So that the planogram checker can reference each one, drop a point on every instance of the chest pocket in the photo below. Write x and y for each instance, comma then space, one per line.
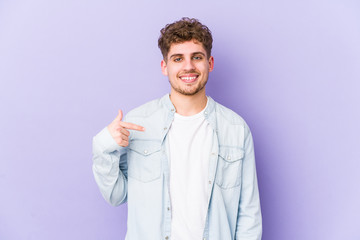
228, 172
144, 160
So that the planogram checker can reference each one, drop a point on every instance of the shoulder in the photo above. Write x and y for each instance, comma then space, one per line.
228, 115
232, 128
151, 116
145, 110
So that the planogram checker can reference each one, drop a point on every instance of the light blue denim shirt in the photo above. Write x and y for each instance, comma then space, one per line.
139, 174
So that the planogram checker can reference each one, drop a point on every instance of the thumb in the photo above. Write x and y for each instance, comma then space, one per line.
119, 116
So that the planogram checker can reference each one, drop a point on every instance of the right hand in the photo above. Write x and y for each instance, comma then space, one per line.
119, 132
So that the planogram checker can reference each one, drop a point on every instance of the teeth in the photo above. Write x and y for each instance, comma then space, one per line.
188, 78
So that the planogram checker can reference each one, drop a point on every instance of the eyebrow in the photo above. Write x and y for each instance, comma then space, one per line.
180, 54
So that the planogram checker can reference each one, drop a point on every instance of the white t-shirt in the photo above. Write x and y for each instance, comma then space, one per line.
189, 145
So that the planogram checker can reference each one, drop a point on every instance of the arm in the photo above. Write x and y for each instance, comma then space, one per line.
110, 160
112, 180
249, 221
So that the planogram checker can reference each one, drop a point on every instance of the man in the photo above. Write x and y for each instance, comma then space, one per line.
184, 163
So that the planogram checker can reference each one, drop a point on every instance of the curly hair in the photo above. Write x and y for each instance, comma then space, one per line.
186, 29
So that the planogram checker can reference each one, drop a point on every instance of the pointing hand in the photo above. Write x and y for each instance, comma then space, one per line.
118, 130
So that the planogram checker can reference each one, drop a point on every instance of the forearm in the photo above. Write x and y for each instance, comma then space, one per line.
249, 223
112, 181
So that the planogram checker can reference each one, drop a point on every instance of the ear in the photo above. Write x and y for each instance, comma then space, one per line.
164, 67
211, 64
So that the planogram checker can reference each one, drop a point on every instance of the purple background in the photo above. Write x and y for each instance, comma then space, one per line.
290, 68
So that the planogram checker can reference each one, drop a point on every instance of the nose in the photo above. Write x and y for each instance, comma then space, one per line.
189, 65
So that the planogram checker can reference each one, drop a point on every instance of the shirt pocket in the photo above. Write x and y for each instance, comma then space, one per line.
144, 160
228, 172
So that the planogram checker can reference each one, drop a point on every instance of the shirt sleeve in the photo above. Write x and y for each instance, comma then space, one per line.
110, 168
249, 222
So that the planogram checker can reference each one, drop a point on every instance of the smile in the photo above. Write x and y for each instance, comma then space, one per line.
189, 79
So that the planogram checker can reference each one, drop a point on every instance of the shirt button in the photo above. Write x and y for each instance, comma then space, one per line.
213, 153
145, 151
166, 237
165, 128
172, 110
228, 158
205, 112
209, 182
168, 209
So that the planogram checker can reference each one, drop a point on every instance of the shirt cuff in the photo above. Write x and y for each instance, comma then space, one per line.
106, 141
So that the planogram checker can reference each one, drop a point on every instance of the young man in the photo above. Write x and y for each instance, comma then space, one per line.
184, 163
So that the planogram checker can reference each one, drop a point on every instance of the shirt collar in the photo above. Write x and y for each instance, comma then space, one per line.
168, 104
209, 112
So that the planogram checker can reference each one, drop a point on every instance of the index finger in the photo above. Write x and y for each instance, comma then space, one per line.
132, 126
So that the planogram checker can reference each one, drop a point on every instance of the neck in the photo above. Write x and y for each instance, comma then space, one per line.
188, 105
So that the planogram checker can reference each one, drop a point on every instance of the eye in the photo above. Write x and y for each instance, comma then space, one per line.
178, 59
197, 57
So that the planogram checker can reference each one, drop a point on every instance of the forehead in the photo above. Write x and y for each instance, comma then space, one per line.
187, 47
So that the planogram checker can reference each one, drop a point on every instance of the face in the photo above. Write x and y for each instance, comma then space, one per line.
187, 67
